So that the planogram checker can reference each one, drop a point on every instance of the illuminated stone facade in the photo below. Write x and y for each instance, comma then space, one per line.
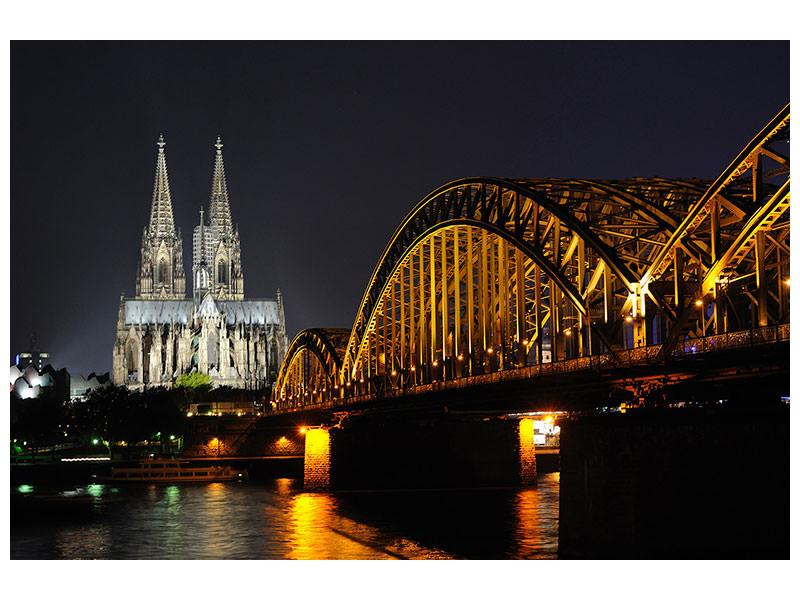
317, 460
161, 334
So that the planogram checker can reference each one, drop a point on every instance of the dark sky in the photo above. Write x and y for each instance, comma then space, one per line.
327, 146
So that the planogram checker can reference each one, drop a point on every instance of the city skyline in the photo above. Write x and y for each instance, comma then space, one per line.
316, 191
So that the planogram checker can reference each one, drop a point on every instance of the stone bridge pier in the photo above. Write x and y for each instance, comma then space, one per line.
704, 483
443, 451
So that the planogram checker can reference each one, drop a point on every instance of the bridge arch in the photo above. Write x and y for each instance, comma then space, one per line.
741, 279
310, 369
486, 274
568, 235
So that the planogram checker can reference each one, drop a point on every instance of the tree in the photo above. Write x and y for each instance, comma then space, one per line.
193, 380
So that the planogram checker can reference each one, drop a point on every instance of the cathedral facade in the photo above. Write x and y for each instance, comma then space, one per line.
162, 334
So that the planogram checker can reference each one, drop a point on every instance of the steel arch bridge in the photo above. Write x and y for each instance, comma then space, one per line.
498, 274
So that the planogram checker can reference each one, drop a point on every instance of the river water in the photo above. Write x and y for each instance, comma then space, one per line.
275, 519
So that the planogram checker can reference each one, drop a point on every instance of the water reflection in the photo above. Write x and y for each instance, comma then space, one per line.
536, 520
276, 520
319, 532
95, 490
84, 542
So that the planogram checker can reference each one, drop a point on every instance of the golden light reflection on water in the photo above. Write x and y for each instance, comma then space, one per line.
283, 486
531, 535
317, 532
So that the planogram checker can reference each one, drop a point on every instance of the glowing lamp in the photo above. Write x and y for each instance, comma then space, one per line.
393, 373
698, 303
189, 414
302, 430
436, 363
348, 384
490, 350
460, 357
95, 441
569, 331
524, 342
629, 318
413, 368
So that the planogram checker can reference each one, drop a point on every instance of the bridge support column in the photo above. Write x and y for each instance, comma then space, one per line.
527, 453
711, 483
429, 452
317, 460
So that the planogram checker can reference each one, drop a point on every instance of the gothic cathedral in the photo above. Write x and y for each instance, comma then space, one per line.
161, 334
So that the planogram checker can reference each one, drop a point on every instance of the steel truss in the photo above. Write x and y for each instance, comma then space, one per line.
491, 274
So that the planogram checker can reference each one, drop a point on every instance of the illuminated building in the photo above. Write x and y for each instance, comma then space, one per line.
29, 382
161, 334
34, 358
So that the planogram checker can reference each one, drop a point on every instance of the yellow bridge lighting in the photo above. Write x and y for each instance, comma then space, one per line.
483, 259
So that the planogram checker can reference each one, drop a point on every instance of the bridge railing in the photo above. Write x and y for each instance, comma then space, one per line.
630, 357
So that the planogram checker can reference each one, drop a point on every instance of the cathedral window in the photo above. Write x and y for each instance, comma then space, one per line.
222, 272
162, 271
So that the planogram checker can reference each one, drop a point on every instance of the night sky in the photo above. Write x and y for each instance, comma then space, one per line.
327, 147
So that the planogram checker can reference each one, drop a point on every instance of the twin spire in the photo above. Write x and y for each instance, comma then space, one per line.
162, 223
219, 207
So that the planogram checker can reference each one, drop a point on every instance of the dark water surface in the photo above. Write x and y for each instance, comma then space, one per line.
277, 520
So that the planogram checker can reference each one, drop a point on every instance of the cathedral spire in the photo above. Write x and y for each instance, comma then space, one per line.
161, 221
202, 238
160, 273
219, 207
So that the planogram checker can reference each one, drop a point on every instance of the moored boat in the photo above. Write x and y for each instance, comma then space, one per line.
173, 471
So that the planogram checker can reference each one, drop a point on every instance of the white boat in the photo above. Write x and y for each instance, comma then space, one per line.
172, 471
